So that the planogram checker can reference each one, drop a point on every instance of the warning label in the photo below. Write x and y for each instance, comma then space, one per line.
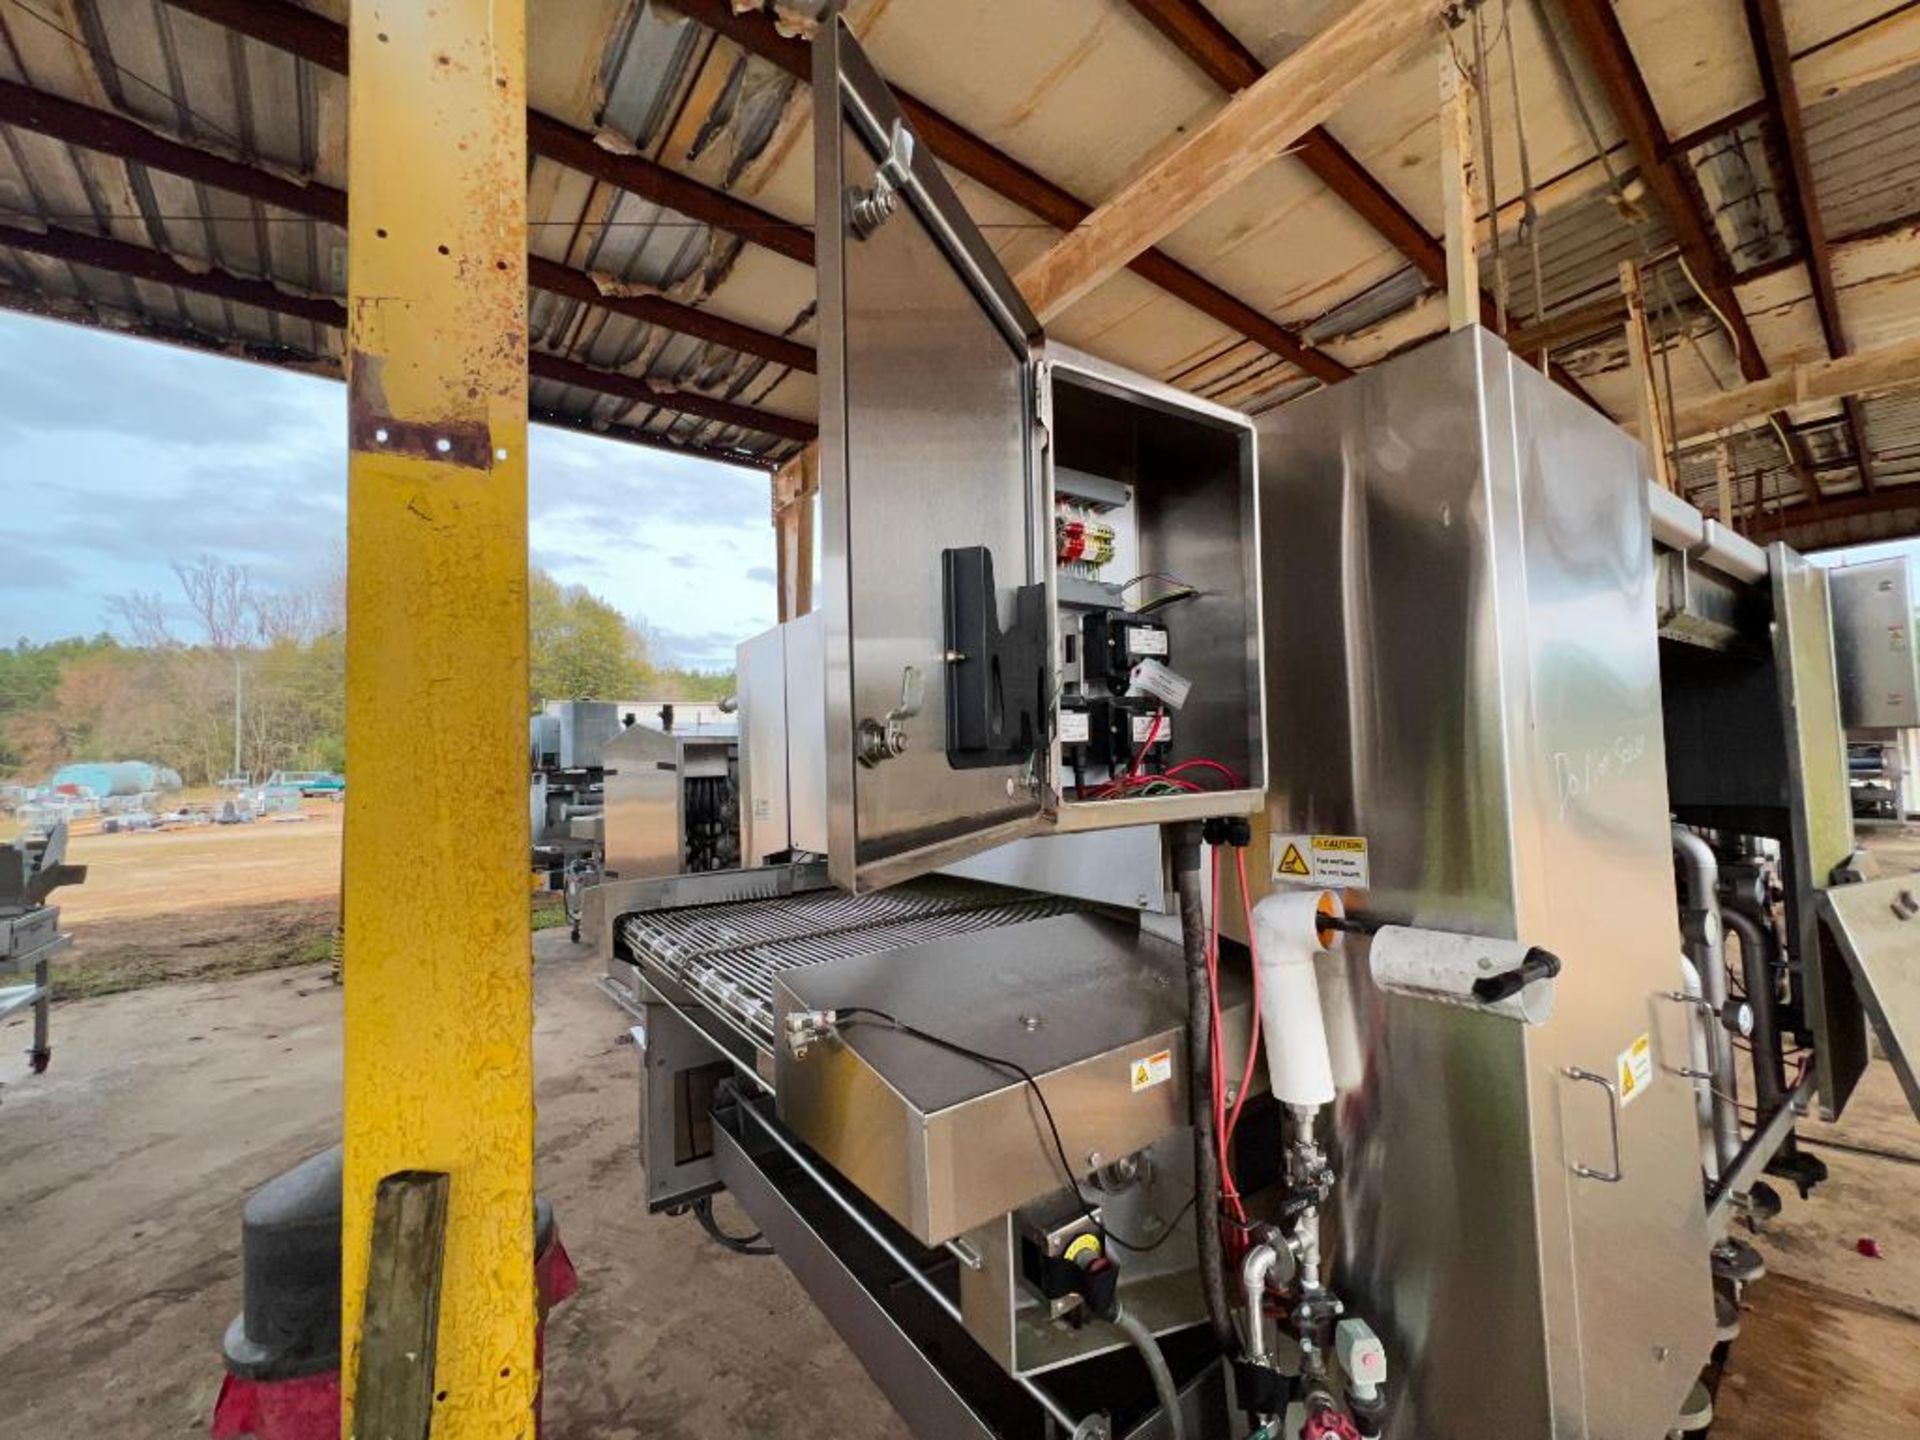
1152, 1070
1335, 862
1635, 1069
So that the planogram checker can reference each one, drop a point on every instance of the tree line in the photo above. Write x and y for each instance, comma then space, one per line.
236, 668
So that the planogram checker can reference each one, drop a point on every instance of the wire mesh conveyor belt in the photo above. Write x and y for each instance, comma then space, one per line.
728, 954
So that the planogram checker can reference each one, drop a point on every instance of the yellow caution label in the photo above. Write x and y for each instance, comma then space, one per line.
1333, 862
1634, 1069
1294, 863
1151, 1070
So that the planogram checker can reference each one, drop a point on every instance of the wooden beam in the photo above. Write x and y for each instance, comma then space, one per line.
794, 486
438, 992
1669, 179
399, 1339
1462, 189
1888, 500
1887, 367
756, 31
1801, 199
1723, 482
1218, 54
1246, 134
322, 42
1653, 428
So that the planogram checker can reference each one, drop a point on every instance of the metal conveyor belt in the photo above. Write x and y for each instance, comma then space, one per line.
727, 954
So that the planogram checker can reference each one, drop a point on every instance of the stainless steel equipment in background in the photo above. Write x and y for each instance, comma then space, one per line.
567, 776
672, 802
1874, 622
31, 869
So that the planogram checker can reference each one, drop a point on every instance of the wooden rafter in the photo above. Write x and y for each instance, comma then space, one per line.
1768, 28
1887, 367
1222, 151
757, 33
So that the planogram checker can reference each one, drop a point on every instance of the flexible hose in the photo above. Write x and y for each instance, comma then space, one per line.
739, 1244
1149, 1349
1206, 1157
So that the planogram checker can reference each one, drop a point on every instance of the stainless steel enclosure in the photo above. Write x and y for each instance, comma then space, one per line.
946, 419
1458, 615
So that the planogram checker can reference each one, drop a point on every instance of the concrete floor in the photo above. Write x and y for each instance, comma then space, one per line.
123, 1170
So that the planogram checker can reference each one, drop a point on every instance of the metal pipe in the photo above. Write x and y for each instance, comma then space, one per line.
1761, 1147
1206, 1155
1254, 1273
1756, 967
895, 1253
1705, 946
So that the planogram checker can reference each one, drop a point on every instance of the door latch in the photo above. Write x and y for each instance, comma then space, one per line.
886, 738
869, 209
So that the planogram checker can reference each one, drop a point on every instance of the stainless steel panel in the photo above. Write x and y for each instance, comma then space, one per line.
760, 681
1126, 867
641, 813
1160, 1287
585, 728
927, 440
1821, 816
806, 680
944, 1143
1460, 617
1876, 926
1873, 643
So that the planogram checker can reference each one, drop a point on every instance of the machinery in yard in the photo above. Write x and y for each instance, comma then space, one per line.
1235, 930
31, 869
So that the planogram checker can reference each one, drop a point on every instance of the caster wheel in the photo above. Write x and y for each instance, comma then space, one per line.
576, 934
39, 1060
1738, 1261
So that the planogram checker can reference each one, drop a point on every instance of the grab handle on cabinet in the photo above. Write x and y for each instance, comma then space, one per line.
1587, 1172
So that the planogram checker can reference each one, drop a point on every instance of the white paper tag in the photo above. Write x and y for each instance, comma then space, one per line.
1146, 640
1164, 684
1075, 727
1142, 726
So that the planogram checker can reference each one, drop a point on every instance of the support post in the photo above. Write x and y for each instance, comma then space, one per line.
1723, 481
438, 981
1461, 185
1653, 429
795, 484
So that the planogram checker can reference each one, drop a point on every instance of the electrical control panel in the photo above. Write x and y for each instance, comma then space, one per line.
1039, 571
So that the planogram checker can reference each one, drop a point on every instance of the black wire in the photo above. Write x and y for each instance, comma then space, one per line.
739, 1244
1059, 1146
1172, 1226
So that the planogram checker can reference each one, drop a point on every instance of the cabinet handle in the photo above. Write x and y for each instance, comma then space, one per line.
1587, 1172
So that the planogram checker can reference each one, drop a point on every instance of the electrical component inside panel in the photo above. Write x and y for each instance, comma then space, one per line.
1082, 544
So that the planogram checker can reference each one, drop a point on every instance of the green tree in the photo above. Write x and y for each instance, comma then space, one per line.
579, 646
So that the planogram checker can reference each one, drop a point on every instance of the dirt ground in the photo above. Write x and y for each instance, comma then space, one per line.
123, 1171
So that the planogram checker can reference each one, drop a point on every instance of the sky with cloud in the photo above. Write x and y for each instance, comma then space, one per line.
121, 456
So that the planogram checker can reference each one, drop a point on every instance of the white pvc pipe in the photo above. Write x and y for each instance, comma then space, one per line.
1287, 939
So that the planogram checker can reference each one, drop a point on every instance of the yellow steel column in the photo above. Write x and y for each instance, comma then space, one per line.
439, 997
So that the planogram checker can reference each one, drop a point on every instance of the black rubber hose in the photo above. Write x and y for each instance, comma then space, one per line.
1206, 1157
739, 1244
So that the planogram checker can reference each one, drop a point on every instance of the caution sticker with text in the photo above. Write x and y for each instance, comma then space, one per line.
1152, 1070
1333, 862
1634, 1069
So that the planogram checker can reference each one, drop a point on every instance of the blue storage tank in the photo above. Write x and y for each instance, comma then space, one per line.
116, 777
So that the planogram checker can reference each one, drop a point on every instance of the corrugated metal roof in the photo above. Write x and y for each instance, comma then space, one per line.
1080, 91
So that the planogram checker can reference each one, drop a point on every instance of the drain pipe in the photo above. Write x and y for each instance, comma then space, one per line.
1756, 967
1705, 947
1206, 1156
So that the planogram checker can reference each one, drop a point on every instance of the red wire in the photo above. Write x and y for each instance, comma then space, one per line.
1253, 1045
1232, 776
